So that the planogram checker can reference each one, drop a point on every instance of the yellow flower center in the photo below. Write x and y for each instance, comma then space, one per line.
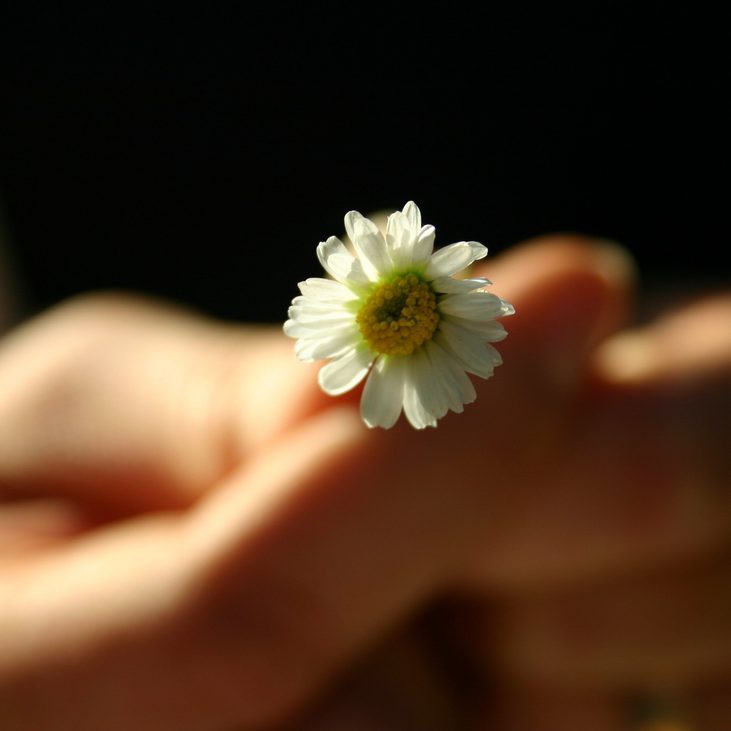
399, 316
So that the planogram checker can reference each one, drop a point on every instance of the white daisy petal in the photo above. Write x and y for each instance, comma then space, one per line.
319, 320
331, 248
325, 290
508, 309
479, 250
295, 327
384, 392
308, 351
414, 410
308, 305
439, 399
420, 405
429, 385
339, 263
348, 221
488, 330
469, 348
465, 388
347, 372
497, 359
369, 245
399, 239
447, 285
413, 214
327, 344
453, 258
472, 306
423, 247
448, 390
456, 382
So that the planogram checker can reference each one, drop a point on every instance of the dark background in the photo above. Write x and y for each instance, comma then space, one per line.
201, 152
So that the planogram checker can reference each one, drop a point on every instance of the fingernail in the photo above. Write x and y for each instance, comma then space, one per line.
615, 262
598, 306
626, 358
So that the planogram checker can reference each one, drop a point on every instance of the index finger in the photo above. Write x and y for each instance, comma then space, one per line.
126, 405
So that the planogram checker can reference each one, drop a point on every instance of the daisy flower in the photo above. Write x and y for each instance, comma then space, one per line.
394, 312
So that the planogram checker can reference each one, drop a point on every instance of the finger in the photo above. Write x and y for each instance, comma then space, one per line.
600, 278
32, 525
694, 341
154, 403
641, 472
113, 631
569, 292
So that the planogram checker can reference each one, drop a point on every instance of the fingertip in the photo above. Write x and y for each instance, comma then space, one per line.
653, 354
615, 262
569, 293
625, 358
560, 256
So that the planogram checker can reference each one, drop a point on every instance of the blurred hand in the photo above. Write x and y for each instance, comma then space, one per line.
193, 538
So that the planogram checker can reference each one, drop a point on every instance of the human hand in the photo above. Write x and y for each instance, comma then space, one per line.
577, 518
216, 542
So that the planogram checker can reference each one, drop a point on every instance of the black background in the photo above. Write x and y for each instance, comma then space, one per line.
201, 152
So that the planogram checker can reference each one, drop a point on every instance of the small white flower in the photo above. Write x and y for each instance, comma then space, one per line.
395, 311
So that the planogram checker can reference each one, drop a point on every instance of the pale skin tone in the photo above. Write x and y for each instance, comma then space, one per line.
194, 538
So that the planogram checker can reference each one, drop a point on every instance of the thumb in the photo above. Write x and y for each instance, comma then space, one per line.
148, 402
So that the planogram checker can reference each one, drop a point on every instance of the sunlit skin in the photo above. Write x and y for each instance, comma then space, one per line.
194, 538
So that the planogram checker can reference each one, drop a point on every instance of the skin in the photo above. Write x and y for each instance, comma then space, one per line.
193, 537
